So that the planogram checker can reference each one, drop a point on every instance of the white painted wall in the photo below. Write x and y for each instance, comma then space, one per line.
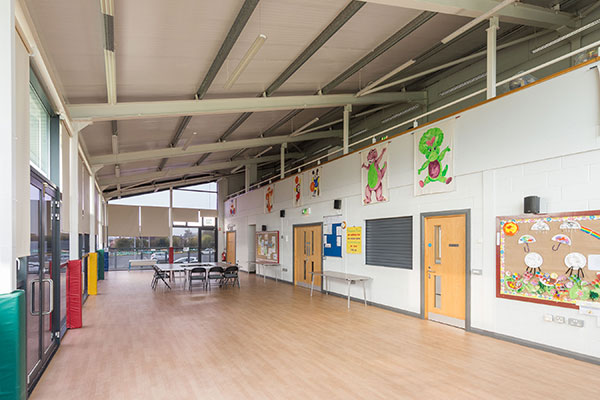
541, 141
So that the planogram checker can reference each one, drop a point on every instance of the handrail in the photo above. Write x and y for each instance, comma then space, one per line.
477, 92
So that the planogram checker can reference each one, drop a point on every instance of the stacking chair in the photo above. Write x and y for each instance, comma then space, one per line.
231, 275
197, 274
215, 274
158, 274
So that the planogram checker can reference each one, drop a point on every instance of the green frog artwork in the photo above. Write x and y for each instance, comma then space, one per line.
430, 146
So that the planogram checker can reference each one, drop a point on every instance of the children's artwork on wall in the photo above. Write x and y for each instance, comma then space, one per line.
374, 174
434, 161
553, 259
267, 246
314, 178
231, 207
298, 190
269, 199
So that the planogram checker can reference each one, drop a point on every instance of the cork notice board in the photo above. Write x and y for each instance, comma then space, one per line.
267, 246
549, 258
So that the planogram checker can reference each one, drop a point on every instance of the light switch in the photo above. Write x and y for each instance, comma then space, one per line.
477, 271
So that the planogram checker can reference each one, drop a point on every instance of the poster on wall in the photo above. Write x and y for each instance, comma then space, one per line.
550, 259
298, 190
314, 182
374, 174
434, 161
354, 240
231, 207
269, 199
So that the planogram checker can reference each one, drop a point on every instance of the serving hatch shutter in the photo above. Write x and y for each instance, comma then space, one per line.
389, 242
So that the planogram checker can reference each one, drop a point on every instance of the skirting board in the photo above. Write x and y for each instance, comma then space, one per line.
499, 336
277, 280
538, 346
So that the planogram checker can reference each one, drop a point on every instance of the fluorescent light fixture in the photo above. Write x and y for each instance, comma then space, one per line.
383, 121
476, 21
463, 84
568, 35
236, 169
357, 133
187, 142
118, 171
264, 151
115, 144
258, 42
300, 130
111, 76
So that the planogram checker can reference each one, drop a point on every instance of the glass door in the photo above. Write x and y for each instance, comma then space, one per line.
41, 275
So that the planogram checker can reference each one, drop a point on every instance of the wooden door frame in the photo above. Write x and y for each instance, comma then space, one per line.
467, 214
294, 249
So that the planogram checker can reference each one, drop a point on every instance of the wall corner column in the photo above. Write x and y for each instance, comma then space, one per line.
492, 32
347, 111
75, 212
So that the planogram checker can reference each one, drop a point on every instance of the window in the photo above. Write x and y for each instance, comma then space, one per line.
39, 133
388, 242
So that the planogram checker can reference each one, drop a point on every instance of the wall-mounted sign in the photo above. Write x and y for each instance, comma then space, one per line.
306, 211
354, 240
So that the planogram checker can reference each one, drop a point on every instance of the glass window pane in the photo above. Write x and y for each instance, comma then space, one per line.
209, 221
39, 133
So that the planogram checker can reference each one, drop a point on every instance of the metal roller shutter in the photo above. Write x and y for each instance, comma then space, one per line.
389, 242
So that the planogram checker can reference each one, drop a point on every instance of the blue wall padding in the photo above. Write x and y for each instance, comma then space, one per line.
13, 352
106, 255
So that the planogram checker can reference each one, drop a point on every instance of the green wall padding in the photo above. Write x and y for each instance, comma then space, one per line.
100, 265
13, 384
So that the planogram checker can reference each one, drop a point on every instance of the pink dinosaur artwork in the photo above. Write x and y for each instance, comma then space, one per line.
374, 174
434, 161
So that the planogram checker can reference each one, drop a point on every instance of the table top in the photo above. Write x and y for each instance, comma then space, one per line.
143, 262
261, 262
342, 275
188, 266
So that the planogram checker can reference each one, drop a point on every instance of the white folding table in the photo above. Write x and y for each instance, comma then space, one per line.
342, 276
141, 263
264, 264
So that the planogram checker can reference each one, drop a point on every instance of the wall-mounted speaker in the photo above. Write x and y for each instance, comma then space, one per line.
282, 213
337, 204
263, 228
531, 205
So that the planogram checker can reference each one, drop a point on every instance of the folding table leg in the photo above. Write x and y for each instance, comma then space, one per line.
364, 292
348, 294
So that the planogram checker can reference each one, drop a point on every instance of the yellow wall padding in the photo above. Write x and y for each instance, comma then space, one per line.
93, 274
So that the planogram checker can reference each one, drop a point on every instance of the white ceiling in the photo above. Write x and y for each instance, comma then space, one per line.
163, 50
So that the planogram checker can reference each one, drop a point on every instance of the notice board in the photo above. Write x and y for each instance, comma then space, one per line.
267, 246
549, 258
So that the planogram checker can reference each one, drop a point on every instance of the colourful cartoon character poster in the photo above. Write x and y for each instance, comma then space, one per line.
314, 180
232, 207
374, 174
434, 162
297, 190
269, 199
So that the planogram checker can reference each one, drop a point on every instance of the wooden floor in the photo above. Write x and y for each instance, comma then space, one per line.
273, 341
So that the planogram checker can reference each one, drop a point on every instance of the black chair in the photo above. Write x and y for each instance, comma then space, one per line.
158, 274
197, 274
231, 275
215, 274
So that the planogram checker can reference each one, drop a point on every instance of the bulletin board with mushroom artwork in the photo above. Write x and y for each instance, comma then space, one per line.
549, 258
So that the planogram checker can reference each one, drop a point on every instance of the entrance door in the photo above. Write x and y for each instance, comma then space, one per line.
445, 269
231, 247
42, 270
307, 254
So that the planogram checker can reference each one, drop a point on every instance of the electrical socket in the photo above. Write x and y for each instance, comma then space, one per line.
559, 319
548, 317
284, 269
576, 322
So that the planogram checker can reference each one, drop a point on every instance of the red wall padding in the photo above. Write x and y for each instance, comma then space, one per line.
74, 318
171, 255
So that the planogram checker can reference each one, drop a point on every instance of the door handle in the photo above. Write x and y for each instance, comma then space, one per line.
32, 311
51, 287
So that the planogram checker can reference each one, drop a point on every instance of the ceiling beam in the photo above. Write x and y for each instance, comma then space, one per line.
175, 108
121, 158
519, 13
232, 36
179, 172
340, 20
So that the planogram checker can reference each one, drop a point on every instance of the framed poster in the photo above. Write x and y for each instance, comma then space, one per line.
314, 182
549, 258
373, 173
434, 160
269, 199
297, 187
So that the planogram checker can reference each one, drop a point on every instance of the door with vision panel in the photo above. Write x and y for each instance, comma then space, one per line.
308, 256
445, 269
231, 247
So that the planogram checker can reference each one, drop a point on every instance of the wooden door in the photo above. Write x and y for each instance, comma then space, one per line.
231, 247
307, 254
445, 269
